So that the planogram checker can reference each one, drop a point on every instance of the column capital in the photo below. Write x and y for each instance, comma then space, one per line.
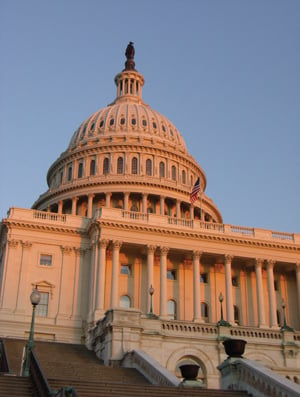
197, 254
151, 249
164, 250
228, 258
91, 195
26, 244
103, 243
297, 265
270, 263
259, 262
117, 243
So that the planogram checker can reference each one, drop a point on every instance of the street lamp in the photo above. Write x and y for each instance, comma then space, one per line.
151, 292
35, 298
285, 327
222, 322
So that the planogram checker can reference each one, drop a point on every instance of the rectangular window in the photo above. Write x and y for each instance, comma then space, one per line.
234, 281
125, 269
45, 260
203, 278
276, 286
171, 274
42, 308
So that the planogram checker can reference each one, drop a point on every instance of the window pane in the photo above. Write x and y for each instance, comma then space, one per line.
42, 308
162, 169
149, 167
120, 165
173, 173
134, 165
125, 269
171, 274
203, 278
93, 167
46, 260
80, 170
125, 301
106, 166
171, 307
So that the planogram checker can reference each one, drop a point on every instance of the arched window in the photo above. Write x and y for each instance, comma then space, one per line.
183, 177
80, 170
120, 168
236, 314
93, 167
149, 167
162, 169
69, 172
106, 166
134, 165
173, 173
204, 311
171, 308
125, 302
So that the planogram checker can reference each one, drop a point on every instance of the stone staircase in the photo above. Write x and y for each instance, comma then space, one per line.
74, 365
14, 386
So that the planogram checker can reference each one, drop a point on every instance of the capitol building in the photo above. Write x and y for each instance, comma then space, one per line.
126, 259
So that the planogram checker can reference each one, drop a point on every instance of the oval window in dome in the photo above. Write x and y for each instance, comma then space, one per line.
171, 132
154, 125
101, 123
122, 121
133, 121
163, 128
92, 126
144, 122
111, 121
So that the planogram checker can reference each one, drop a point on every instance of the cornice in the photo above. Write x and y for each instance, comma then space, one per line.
202, 236
43, 227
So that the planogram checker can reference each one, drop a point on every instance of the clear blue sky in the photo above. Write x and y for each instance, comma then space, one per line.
226, 73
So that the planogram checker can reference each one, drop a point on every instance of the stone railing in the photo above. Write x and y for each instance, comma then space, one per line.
257, 380
196, 225
150, 368
193, 329
47, 217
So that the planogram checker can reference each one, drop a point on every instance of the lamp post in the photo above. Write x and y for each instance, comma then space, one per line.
35, 298
222, 322
285, 327
151, 292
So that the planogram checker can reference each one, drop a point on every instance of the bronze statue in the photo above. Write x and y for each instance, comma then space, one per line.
129, 53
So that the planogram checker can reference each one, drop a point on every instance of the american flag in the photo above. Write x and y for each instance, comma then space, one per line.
195, 191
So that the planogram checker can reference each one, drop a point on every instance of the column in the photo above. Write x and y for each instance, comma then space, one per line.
196, 282
93, 253
74, 202
298, 283
162, 205
90, 205
178, 214
228, 286
60, 207
144, 202
260, 294
114, 301
192, 211
163, 312
126, 201
107, 200
271, 291
150, 280
100, 287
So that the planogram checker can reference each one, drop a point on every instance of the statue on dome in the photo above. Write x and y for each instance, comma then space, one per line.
129, 53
